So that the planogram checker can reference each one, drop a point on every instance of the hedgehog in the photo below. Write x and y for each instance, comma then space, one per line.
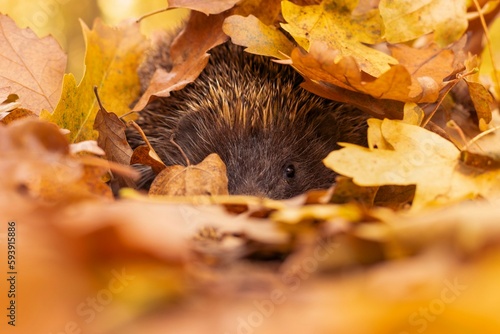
270, 132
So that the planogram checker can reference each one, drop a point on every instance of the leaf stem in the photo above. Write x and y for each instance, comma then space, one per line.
438, 103
180, 149
152, 13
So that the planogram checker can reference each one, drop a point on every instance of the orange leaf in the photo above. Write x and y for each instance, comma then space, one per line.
33, 67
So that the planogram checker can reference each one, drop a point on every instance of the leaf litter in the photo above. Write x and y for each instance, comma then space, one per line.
407, 240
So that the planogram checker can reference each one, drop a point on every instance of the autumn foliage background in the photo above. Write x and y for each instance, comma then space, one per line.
406, 242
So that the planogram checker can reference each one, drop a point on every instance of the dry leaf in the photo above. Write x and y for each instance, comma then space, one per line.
112, 137
267, 11
189, 56
333, 25
408, 82
257, 37
404, 154
490, 56
146, 155
36, 157
206, 6
206, 178
32, 67
112, 58
409, 19
480, 96
16, 114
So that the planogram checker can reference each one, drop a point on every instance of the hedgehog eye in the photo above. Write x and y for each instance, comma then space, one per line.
290, 171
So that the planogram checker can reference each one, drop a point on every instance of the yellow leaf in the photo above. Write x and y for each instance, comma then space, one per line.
332, 23
257, 37
112, 58
490, 60
404, 154
409, 19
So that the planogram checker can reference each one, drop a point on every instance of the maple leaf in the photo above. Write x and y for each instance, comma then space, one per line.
333, 24
404, 154
409, 19
32, 67
112, 58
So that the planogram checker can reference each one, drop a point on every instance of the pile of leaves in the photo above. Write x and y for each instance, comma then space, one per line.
407, 241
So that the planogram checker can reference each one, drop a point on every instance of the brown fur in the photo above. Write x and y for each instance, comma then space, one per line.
253, 113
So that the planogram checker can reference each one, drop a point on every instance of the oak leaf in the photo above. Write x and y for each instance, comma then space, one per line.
407, 81
409, 19
32, 67
404, 154
333, 24
258, 38
112, 58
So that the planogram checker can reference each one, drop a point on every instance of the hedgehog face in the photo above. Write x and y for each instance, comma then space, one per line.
271, 133
277, 162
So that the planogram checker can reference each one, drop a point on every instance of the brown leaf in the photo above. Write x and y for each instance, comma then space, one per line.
427, 62
267, 11
146, 155
112, 137
207, 178
206, 6
480, 96
36, 156
16, 114
380, 108
418, 78
33, 67
189, 56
